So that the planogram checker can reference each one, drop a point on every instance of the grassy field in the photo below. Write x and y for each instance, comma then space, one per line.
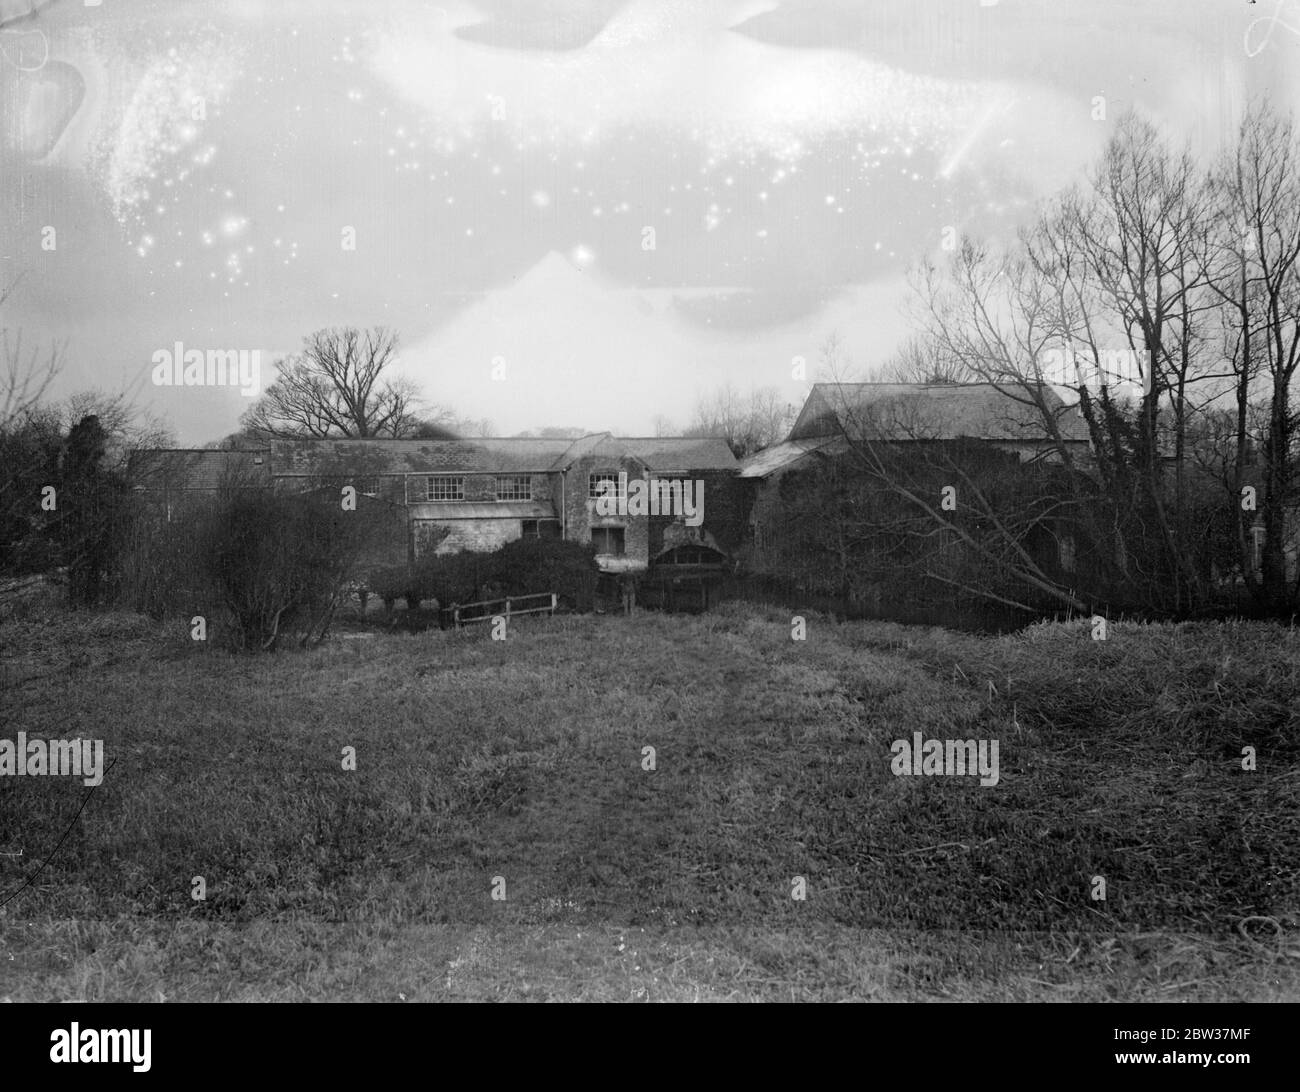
523, 760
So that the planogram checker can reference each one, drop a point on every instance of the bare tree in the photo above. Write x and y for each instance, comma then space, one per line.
1117, 270
771, 415
1185, 280
897, 477
747, 423
126, 427
1257, 191
31, 440
1142, 235
426, 429
26, 371
923, 360
339, 385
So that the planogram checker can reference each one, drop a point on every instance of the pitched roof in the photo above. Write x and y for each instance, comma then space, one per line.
779, 456
921, 411
602, 444
493, 455
175, 468
673, 454
501, 454
516, 454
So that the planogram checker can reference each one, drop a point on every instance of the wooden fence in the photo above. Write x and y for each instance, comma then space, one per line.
463, 613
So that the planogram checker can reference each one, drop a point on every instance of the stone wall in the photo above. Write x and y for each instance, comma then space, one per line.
580, 510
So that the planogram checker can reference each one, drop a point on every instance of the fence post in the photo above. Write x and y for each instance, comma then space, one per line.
455, 613
507, 606
552, 602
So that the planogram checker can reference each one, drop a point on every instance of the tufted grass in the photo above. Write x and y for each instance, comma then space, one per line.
523, 760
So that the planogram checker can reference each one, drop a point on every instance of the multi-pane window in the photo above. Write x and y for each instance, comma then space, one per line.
515, 487
603, 483
445, 487
367, 487
608, 540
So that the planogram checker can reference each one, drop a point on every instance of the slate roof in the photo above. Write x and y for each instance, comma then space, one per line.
596, 444
415, 456
495, 454
369, 458
779, 456
678, 455
201, 469
981, 411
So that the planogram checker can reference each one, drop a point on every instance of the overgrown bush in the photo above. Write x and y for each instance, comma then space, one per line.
260, 566
279, 564
390, 583
62, 506
526, 566
440, 578
159, 570
30, 450
531, 566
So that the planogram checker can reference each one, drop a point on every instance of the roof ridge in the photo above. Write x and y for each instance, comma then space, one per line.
207, 450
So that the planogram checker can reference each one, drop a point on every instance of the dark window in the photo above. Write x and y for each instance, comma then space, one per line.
541, 528
608, 540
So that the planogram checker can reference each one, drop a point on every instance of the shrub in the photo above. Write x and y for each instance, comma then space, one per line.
452, 578
391, 583
523, 567
159, 568
261, 566
529, 566
277, 564
444, 578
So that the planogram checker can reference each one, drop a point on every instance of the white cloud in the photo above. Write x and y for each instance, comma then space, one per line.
665, 64
580, 348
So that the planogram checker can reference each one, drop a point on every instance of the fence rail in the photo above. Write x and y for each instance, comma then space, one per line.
512, 608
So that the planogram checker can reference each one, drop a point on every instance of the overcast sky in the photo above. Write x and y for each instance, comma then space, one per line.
501, 162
